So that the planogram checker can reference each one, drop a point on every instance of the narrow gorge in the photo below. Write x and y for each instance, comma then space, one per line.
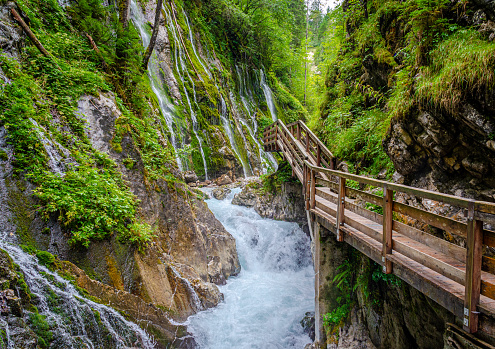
157, 176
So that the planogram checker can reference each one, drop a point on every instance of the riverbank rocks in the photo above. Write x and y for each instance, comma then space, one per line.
247, 198
190, 177
224, 180
221, 193
285, 204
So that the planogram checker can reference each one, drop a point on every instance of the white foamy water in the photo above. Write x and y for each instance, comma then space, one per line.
265, 303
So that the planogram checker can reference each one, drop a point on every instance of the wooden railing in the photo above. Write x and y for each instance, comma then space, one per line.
328, 194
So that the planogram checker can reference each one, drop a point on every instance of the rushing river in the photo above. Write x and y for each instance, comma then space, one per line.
265, 303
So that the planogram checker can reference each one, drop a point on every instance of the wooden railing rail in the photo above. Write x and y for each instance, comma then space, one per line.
314, 165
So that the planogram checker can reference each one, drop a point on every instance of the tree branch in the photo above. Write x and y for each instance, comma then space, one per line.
152, 43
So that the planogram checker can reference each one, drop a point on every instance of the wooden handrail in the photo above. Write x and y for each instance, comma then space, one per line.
482, 206
306, 154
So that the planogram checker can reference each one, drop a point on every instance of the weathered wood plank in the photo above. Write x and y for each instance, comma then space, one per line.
473, 274
388, 211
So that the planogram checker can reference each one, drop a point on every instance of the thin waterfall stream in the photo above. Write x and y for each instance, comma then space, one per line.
76, 321
166, 106
265, 303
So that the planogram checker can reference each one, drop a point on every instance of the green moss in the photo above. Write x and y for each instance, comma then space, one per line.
46, 258
3, 155
41, 327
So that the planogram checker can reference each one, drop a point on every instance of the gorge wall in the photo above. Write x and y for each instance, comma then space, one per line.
408, 98
93, 151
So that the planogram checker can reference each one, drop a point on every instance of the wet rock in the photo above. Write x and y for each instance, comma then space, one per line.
308, 324
224, 180
190, 176
215, 271
221, 193
476, 167
11, 35
245, 198
13, 302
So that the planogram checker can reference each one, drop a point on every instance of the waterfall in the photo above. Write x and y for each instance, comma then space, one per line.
74, 319
181, 68
268, 95
166, 107
244, 91
63, 3
191, 40
196, 301
264, 304
55, 160
267, 159
228, 130
241, 132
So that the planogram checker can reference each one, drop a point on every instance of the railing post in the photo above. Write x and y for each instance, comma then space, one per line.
318, 155
298, 130
340, 209
473, 271
307, 141
276, 137
388, 216
313, 190
305, 185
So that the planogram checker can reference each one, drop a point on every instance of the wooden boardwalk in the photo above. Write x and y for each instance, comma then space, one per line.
459, 278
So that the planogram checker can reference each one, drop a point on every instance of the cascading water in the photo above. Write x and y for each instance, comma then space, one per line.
264, 304
267, 159
239, 129
191, 39
268, 95
154, 76
76, 321
228, 130
243, 91
55, 161
181, 68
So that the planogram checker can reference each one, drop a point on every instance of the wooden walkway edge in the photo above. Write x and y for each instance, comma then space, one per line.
459, 278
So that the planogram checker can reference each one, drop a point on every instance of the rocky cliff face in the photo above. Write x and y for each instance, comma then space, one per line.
176, 274
367, 309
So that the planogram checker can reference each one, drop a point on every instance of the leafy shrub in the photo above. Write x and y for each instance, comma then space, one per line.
92, 203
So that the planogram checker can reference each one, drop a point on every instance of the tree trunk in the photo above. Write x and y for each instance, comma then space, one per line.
29, 33
125, 12
151, 46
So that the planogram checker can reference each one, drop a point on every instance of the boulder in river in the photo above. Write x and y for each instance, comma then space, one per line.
190, 177
221, 193
223, 180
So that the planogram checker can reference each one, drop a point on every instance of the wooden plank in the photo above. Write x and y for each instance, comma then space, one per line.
488, 264
313, 190
489, 238
445, 292
388, 206
318, 155
447, 224
341, 208
473, 273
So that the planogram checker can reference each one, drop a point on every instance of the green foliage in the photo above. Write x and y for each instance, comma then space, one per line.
390, 279
271, 183
462, 62
93, 204
46, 258
91, 200
42, 329
343, 281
